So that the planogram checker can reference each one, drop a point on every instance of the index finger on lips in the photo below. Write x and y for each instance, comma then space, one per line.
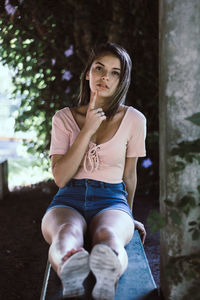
93, 101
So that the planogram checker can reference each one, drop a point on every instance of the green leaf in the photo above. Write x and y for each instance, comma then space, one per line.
179, 166
175, 216
187, 202
169, 202
198, 187
189, 274
155, 221
195, 119
196, 235
192, 223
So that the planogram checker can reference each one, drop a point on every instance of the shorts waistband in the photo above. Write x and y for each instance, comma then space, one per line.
92, 182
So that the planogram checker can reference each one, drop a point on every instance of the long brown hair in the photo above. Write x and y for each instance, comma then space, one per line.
119, 95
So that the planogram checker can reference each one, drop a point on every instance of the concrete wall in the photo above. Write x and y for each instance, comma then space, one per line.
179, 51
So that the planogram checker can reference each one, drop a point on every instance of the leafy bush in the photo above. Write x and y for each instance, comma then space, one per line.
47, 42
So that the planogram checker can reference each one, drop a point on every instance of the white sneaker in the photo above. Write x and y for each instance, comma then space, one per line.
73, 273
106, 267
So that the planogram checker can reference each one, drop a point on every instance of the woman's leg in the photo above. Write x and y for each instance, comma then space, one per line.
63, 228
115, 229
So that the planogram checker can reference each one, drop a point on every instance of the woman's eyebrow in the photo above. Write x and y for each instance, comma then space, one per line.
98, 62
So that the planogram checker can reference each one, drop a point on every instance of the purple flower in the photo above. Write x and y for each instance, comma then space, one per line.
11, 10
53, 61
69, 51
67, 91
67, 76
146, 163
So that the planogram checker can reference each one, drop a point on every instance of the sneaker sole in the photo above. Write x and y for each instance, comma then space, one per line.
106, 267
73, 273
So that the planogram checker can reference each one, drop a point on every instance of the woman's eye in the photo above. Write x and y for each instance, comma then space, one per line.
116, 73
98, 68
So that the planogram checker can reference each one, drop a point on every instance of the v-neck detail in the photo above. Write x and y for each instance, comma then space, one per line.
113, 137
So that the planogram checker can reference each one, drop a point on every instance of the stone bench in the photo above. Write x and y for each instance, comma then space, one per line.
3, 178
137, 282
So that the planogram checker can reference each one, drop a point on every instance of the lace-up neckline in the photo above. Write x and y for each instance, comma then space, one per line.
116, 133
91, 159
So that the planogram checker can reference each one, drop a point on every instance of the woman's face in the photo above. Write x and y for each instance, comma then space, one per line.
104, 75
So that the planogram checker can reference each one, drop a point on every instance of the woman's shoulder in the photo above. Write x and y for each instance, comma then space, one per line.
135, 113
62, 112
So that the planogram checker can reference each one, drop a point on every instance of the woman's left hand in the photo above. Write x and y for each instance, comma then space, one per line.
140, 227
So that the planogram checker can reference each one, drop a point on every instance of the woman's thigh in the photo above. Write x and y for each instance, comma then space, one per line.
116, 221
59, 216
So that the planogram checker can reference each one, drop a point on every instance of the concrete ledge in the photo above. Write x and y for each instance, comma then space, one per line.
3, 178
137, 282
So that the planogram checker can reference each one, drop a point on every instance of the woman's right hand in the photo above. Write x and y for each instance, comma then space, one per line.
142, 232
94, 116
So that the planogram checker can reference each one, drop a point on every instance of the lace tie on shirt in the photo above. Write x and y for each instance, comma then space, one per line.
91, 161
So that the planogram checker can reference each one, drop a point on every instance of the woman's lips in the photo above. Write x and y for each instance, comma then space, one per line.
103, 86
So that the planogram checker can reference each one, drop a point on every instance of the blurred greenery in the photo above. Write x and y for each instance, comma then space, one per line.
24, 171
47, 44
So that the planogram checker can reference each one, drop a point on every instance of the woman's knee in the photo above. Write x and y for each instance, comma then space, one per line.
59, 221
71, 229
104, 233
45, 230
61, 231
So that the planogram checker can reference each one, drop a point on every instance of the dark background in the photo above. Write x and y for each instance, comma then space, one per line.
40, 33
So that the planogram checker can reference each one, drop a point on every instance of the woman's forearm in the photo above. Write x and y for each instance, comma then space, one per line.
67, 166
130, 187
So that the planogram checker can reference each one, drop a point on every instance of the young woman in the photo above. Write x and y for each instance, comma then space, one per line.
94, 151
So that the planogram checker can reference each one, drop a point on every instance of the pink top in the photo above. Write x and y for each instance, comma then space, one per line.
103, 162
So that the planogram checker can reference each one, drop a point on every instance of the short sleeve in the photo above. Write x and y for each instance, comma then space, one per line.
136, 144
60, 137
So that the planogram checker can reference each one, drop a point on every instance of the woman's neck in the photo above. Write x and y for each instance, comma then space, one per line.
102, 102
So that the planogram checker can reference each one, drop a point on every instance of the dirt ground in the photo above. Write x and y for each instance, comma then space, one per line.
23, 252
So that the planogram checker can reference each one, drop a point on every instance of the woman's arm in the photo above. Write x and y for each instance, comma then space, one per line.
65, 166
130, 178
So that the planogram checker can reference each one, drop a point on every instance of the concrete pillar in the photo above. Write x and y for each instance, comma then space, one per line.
179, 51
3, 178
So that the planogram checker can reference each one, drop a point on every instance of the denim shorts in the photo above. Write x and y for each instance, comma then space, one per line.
90, 197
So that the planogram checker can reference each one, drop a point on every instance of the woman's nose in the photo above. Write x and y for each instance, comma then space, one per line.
105, 75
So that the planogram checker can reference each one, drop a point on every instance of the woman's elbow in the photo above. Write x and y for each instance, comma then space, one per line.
59, 180
59, 184
131, 178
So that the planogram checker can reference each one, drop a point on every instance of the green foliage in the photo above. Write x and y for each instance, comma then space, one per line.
195, 225
155, 221
21, 170
195, 229
183, 206
176, 210
187, 150
179, 166
35, 38
183, 267
195, 119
